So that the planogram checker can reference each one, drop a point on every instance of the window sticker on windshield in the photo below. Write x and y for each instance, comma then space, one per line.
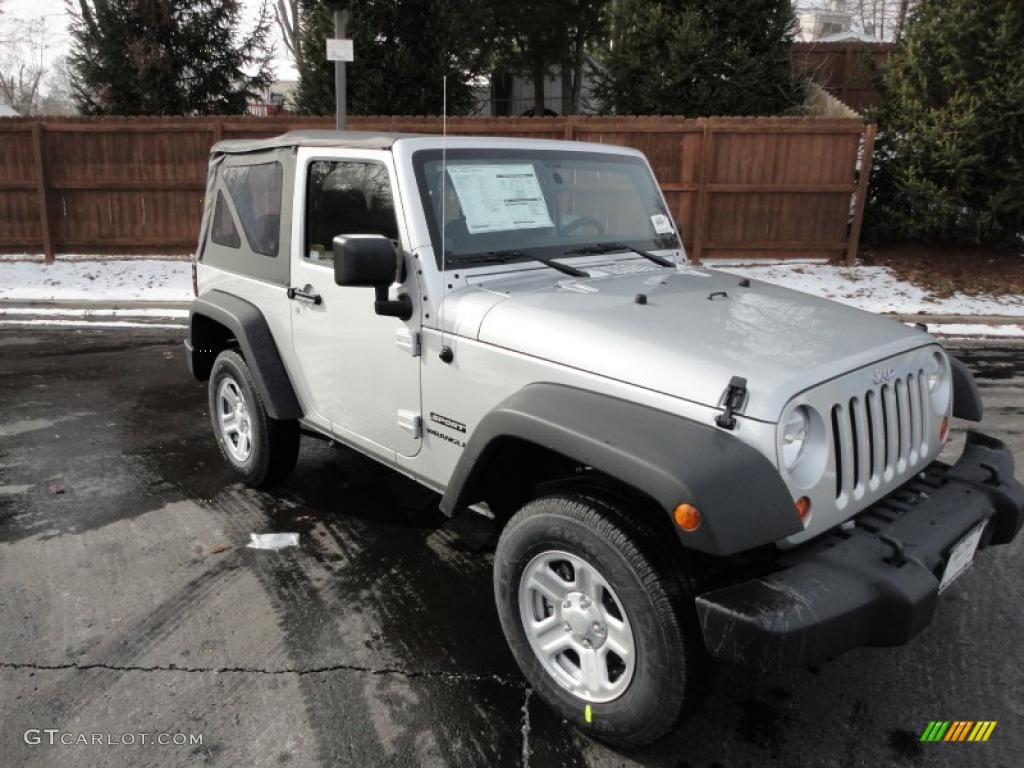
496, 198
662, 224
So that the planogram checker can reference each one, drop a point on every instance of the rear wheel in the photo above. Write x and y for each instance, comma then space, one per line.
599, 618
260, 449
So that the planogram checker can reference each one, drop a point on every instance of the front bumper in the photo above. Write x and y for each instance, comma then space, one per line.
876, 583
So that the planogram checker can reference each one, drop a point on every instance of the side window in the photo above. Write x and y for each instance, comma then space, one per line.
346, 198
256, 192
223, 231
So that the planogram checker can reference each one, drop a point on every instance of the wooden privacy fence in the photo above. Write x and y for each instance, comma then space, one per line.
844, 69
738, 187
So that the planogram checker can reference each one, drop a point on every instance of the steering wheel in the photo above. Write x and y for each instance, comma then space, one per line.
582, 221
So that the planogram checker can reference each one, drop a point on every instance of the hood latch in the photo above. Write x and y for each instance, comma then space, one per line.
734, 399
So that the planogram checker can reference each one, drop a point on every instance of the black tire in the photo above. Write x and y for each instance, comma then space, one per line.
672, 669
275, 444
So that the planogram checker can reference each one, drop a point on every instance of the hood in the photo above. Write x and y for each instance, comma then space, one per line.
697, 329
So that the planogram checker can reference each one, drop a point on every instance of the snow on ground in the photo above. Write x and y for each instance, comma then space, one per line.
875, 289
1014, 330
135, 280
38, 258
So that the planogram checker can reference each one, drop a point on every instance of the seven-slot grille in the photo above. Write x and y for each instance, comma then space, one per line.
880, 435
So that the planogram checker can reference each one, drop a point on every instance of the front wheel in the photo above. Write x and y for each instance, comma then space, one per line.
260, 449
599, 619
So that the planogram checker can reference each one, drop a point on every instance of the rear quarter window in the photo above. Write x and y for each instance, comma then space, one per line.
223, 230
256, 192
249, 225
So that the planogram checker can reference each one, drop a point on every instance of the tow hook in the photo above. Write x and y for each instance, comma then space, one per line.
899, 557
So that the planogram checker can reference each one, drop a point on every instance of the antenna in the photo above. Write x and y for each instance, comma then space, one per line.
446, 355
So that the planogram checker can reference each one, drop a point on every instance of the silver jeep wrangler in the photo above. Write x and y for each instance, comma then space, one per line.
687, 466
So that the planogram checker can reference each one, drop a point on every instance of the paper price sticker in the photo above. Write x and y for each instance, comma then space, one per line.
497, 198
662, 224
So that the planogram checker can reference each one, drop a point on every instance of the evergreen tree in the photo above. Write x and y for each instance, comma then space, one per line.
403, 49
314, 94
949, 164
534, 38
583, 28
167, 57
529, 38
699, 57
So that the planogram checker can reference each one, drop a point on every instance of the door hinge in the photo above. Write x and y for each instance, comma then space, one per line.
408, 340
411, 422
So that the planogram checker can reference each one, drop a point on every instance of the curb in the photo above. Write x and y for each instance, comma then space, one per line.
957, 319
87, 304
75, 321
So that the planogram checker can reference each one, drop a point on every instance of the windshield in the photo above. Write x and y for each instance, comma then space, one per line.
515, 204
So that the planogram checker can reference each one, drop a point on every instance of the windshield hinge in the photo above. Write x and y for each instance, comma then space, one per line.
408, 340
734, 399
411, 422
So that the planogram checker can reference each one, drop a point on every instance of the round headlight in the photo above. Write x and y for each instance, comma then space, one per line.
936, 371
939, 386
794, 436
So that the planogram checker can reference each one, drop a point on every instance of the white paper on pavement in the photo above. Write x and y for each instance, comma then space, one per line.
272, 540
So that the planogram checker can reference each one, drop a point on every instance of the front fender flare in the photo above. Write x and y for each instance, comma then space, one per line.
742, 499
966, 397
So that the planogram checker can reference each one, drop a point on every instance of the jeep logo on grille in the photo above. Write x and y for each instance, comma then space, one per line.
884, 375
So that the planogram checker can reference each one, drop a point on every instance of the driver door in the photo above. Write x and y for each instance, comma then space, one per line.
358, 369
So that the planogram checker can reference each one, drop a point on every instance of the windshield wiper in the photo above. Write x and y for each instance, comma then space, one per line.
514, 254
561, 267
494, 257
610, 247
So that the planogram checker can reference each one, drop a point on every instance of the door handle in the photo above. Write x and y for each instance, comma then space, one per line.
306, 294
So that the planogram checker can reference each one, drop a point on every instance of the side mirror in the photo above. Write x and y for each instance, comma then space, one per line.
371, 261
364, 260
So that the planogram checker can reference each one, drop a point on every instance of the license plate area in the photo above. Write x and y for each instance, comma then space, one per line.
961, 556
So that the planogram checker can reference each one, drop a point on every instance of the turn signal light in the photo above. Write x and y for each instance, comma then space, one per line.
943, 429
687, 517
803, 508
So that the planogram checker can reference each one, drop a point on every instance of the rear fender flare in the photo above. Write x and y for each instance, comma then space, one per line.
249, 327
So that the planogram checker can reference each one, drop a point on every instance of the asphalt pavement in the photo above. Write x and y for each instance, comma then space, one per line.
131, 609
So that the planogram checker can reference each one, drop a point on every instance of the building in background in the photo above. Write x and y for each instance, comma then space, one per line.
832, 21
280, 95
508, 95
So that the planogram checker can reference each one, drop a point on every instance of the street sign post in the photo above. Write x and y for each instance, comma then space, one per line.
339, 50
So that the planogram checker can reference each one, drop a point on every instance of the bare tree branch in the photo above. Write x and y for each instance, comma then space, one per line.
22, 64
87, 16
901, 19
289, 20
